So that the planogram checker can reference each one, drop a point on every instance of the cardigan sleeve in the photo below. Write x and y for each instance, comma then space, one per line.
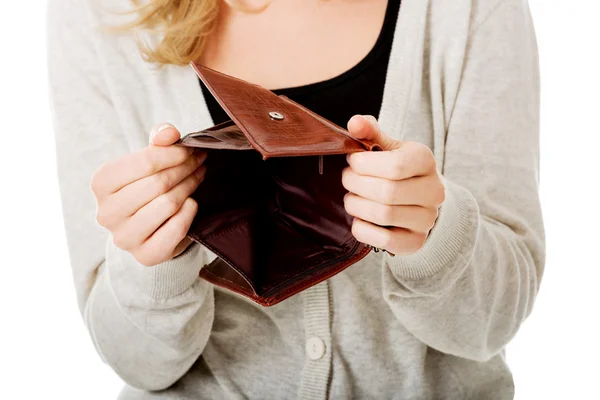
467, 291
149, 324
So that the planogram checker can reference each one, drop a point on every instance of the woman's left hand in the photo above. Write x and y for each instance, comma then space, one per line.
394, 194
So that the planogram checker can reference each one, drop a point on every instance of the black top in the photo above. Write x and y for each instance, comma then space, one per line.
357, 91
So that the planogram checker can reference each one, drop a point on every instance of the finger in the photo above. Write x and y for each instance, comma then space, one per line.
413, 159
137, 229
119, 173
397, 241
366, 127
164, 134
183, 245
164, 242
414, 218
134, 196
425, 191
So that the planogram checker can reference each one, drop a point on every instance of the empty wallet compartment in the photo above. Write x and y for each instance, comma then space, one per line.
276, 225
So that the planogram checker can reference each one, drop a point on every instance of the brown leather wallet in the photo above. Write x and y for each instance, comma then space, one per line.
271, 205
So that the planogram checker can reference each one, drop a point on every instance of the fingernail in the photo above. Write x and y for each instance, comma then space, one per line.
367, 118
161, 128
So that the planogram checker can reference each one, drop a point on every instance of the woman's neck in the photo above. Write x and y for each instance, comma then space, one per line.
293, 42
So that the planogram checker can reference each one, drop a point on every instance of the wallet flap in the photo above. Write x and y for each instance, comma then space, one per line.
275, 125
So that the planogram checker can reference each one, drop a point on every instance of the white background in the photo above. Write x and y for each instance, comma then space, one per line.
45, 352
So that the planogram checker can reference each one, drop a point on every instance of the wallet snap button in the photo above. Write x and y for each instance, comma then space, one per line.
315, 348
276, 116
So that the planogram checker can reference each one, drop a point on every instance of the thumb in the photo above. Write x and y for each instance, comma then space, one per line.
366, 127
164, 135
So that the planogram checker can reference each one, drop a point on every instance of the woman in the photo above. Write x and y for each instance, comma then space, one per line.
457, 77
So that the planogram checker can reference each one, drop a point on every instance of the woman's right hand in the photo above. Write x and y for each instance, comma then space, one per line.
144, 198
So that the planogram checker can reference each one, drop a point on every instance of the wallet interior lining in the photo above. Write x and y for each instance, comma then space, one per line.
272, 220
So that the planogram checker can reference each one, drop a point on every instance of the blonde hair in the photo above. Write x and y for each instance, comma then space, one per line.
183, 25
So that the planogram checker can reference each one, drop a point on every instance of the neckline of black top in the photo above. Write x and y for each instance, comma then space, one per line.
380, 48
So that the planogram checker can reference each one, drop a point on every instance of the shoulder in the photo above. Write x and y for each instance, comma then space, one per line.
89, 28
484, 9
84, 12
470, 14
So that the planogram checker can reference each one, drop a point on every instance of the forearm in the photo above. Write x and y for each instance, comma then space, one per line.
471, 286
150, 324
467, 291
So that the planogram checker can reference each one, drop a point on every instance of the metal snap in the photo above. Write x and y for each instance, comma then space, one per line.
276, 116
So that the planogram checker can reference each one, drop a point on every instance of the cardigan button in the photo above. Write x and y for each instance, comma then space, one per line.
315, 348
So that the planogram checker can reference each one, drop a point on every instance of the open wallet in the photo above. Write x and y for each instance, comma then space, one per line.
271, 205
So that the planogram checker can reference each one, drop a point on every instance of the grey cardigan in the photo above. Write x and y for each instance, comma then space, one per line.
463, 79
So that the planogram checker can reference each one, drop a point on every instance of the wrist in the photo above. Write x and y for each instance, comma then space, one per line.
162, 281
450, 241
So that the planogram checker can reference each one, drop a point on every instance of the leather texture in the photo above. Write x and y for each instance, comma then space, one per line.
271, 205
